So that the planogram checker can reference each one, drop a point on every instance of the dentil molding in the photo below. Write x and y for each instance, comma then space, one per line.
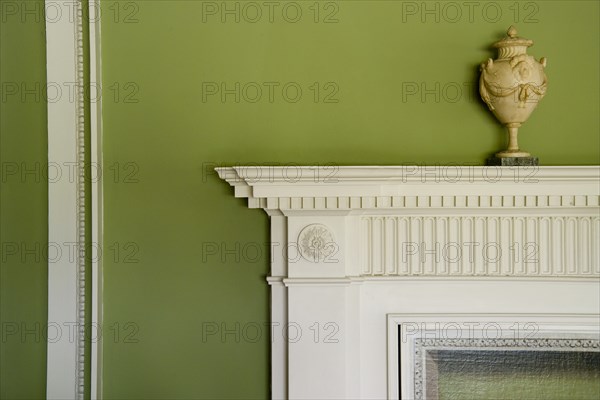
285, 190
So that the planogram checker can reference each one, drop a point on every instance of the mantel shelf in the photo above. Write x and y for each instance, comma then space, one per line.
354, 188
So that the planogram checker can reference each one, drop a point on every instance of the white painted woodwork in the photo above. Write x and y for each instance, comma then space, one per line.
390, 225
66, 203
96, 195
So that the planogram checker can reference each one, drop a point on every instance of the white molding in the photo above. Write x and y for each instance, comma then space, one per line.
66, 204
369, 212
289, 190
534, 221
97, 204
483, 245
411, 174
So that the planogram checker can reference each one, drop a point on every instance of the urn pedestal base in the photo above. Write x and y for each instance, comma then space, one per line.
512, 161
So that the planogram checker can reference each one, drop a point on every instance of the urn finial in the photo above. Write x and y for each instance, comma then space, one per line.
512, 86
512, 45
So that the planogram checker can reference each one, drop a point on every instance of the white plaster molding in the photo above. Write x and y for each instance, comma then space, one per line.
481, 245
550, 215
97, 200
66, 202
373, 189
316, 243
503, 221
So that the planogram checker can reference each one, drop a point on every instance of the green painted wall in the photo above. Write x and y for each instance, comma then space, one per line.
162, 137
395, 84
23, 203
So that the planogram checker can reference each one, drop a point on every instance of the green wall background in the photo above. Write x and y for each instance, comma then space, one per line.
163, 205
23, 207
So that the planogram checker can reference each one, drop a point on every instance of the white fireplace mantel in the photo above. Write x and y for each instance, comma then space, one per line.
356, 251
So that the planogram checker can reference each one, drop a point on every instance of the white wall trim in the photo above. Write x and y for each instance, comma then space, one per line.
97, 203
66, 200
66, 203
387, 189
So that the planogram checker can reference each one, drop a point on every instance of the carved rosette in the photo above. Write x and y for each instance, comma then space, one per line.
316, 243
512, 86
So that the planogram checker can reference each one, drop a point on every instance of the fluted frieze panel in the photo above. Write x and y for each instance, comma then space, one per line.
563, 246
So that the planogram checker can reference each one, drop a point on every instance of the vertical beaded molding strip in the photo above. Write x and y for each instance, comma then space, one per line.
81, 197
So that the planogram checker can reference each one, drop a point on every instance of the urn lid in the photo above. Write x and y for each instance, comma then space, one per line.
512, 40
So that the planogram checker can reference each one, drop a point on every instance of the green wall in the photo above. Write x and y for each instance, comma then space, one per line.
23, 204
163, 136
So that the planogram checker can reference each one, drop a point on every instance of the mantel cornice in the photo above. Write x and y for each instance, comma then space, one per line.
346, 188
263, 174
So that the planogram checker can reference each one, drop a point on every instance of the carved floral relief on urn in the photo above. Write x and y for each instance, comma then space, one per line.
512, 85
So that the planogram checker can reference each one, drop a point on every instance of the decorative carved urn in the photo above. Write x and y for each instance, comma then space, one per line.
512, 86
